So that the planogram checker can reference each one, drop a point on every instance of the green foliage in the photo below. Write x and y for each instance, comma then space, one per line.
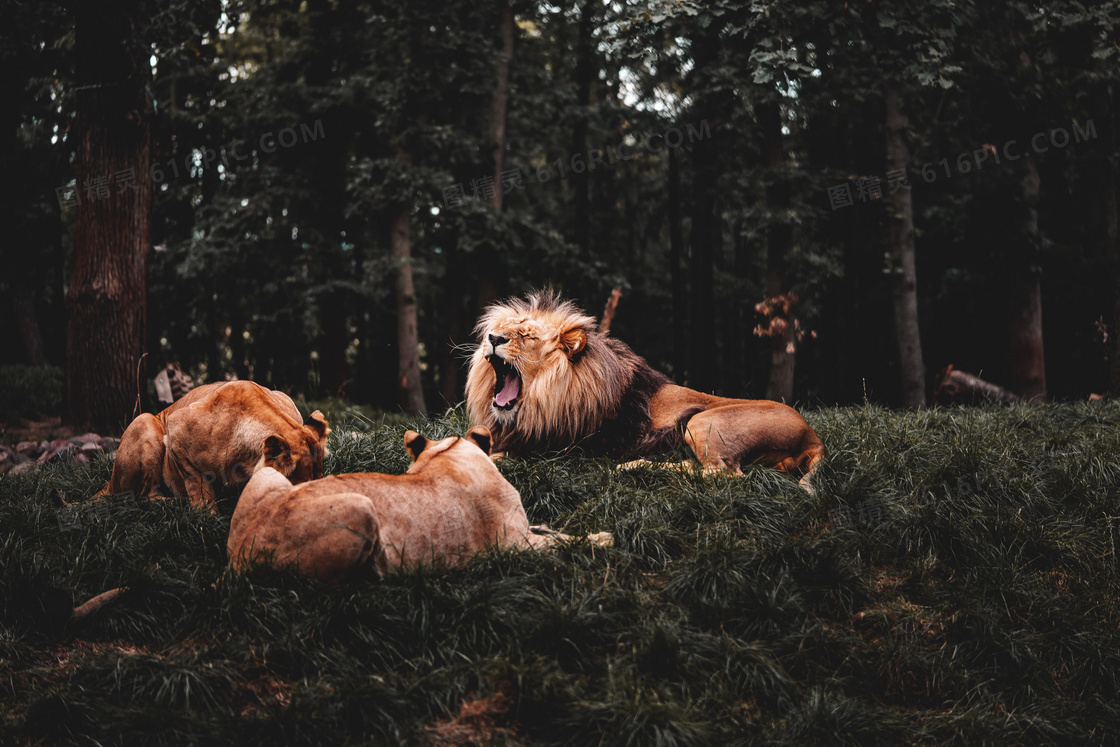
272, 259
30, 392
968, 593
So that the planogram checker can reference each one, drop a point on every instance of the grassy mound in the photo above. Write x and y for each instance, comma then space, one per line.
952, 580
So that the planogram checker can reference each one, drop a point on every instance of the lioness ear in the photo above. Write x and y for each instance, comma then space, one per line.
574, 340
318, 423
480, 434
415, 443
277, 454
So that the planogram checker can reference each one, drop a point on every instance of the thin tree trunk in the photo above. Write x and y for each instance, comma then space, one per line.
329, 182
706, 233
28, 324
904, 284
333, 343
1023, 276
499, 104
1024, 311
735, 312
581, 183
676, 273
779, 237
1106, 216
453, 322
489, 282
408, 337
107, 301
16, 261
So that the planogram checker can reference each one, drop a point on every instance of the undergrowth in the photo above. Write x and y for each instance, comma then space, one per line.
953, 580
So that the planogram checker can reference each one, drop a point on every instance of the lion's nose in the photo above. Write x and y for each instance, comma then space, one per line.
496, 340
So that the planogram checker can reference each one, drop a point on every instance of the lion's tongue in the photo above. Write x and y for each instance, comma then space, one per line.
509, 391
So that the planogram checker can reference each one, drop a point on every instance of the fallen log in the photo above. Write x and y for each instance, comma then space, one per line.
955, 386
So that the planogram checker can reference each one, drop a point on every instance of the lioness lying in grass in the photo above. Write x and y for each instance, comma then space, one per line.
450, 504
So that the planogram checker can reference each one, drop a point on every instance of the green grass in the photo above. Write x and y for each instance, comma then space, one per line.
971, 596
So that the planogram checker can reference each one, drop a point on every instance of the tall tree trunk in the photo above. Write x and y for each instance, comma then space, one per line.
489, 281
904, 284
581, 183
408, 336
107, 302
18, 263
706, 236
779, 238
330, 183
1024, 310
1023, 274
738, 314
707, 230
676, 272
1106, 215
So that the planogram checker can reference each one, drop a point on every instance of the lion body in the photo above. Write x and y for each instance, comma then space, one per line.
543, 378
215, 435
450, 504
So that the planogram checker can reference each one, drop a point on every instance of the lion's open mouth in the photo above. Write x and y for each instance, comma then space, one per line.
507, 388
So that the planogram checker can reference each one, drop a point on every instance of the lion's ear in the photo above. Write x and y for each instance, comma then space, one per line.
415, 443
318, 424
574, 340
277, 454
480, 434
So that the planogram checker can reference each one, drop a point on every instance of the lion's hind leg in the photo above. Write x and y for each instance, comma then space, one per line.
760, 432
715, 442
138, 467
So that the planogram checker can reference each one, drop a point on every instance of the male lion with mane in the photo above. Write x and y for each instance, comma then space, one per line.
543, 378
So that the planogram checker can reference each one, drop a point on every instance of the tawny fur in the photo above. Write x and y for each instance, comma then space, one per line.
215, 435
450, 504
578, 386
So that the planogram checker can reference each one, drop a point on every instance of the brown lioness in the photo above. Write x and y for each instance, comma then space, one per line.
215, 435
450, 504
544, 378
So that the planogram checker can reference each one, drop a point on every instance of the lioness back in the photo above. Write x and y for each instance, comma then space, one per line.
450, 504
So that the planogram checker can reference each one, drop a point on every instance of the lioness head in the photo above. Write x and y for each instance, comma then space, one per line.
542, 369
470, 452
298, 455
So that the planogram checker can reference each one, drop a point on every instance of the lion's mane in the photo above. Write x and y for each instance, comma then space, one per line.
596, 397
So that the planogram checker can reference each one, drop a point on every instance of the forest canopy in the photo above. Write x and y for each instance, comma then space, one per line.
818, 202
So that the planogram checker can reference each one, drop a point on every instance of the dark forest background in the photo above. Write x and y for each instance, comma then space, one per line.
321, 196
